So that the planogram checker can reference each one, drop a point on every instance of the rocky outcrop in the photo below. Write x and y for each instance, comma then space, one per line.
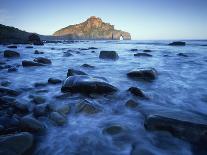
92, 28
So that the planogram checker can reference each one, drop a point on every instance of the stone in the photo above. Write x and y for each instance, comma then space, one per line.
57, 118
134, 50
177, 43
54, 81
108, 55
35, 39
38, 52
29, 123
40, 110
87, 108
142, 54
92, 48
67, 54
26, 63
63, 109
38, 99
40, 84
136, 92
12, 69
131, 104
29, 47
144, 74
21, 107
87, 85
6, 100
139, 149
11, 54
10, 92
72, 72
147, 51
113, 130
87, 66
182, 55
12, 46
42, 60
16, 144
5, 83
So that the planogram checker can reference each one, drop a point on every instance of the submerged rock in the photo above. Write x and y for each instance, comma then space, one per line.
131, 104
12, 46
177, 43
182, 54
16, 144
38, 99
42, 60
72, 72
57, 118
40, 110
142, 54
144, 74
29, 47
11, 54
134, 50
87, 108
147, 51
87, 85
113, 130
12, 69
26, 63
186, 130
63, 109
10, 92
136, 91
108, 55
87, 66
38, 52
54, 81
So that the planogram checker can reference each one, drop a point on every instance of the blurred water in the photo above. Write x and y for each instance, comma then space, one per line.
180, 90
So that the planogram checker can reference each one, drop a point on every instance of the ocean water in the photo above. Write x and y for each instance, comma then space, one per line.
180, 91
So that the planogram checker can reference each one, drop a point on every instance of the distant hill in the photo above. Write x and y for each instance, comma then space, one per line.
92, 28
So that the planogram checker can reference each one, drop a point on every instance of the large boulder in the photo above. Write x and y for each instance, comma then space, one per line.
177, 43
11, 54
35, 39
144, 74
193, 132
87, 85
108, 55
42, 60
15, 144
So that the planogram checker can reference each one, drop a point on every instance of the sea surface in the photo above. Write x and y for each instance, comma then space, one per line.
180, 91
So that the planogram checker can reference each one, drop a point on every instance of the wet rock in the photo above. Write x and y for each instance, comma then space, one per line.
12, 46
35, 39
38, 52
11, 54
26, 63
190, 131
54, 81
21, 107
113, 130
42, 60
92, 48
87, 85
6, 100
142, 54
5, 83
40, 84
29, 47
57, 118
12, 69
93, 51
136, 91
139, 149
67, 54
108, 55
63, 109
87, 108
182, 55
134, 50
38, 99
177, 43
9, 121
83, 49
72, 72
40, 110
87, 66
16, 144
131, 104
10, 92
29, 123
147, 51
144, 74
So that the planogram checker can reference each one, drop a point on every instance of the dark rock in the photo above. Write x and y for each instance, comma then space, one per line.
12, 46
177, 43
40, 110
38, 99
93, 52
5, 83
63, 109
131, 104
147, 51
42, 60
87, 66
38, 52
40, 84
113, 130
87, 108
92, 48
134, 50
193, 132
28, 123
11, 54
16, 144
67, 54
54, 81
12, 69
72, 72
26, 63
83, 49
142, 54
35, 39
144, 74
29, 47
108, 55
9, 121
6, 91
139, 149
21, 107
57, 118
6, 100
182, 55
87, 85
136, 91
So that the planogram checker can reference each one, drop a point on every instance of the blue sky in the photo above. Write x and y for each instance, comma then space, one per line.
144, 19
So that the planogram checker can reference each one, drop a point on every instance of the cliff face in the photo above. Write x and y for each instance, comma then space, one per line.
92, 28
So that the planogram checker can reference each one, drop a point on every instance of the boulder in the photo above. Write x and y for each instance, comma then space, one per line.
54, 81
38, 52
113, 130
35, 39
63, 109
142, 54
11, 54
131, 104
29, 123
26, 63
134, 50
144, 74
108, 55
87, 85
16, 144
136, 91
10, 92
40, 110
177, 43
72, 72
87, 108
38, 99
193, 132
57, 118
42, 60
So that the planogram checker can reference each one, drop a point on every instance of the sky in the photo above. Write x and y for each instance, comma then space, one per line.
143, 19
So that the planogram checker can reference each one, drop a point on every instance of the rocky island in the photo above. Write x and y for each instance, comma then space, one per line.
92, 29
